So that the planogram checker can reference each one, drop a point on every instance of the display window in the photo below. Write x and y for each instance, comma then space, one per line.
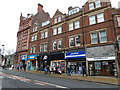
104, 68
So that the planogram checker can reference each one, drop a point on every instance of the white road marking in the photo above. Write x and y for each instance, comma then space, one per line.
29, 80
51, 84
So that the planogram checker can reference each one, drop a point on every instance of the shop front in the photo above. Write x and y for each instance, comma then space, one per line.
23, 59
76, 59
58, 61
31, 62
55, 59
101, 61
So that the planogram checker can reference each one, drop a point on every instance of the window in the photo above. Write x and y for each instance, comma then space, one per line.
42, 48
70, 26
71, 41
34, 37
59, 44
73, 11
100, 17
59, 19
42, 35
46, 34
91, 6
34, 29
118, 20
45, 23
45, 47
54, 31
119, 42
54, 45
31, 49
92, 20
59, 30
97, 3
94, 38
55, 20
77, 24
34, 49
77, 40
103, 37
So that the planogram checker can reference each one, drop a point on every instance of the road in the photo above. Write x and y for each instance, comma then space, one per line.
18, 79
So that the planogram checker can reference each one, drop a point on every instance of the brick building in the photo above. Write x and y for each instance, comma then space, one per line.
87, 36
23, 39
33, 51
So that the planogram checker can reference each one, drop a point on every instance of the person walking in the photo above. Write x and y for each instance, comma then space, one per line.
24, 66
80, 69
83, 70
69, 71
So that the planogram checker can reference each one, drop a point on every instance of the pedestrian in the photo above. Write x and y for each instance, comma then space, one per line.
83, 70
80, 69
12, 67
69, 70
24, 67
48, 69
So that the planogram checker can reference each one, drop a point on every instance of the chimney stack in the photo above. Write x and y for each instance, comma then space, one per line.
40, 7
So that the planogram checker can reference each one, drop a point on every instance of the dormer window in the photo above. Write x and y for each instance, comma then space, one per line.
45, 23
97, 3
91, 6
57, 19
73, 11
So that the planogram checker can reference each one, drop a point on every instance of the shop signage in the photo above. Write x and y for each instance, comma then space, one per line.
32, 56
24, 57
45, 57
71, 55
101, 58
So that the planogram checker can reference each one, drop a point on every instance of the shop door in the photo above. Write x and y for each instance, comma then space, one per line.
107, 69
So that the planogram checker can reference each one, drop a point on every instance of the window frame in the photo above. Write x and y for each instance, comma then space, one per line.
54, 45
100, 18
71, 26
76, 40
59, 30
118, 21
77, 23
94, 38
59, 43
97, 3
103, 36
70, 42
91, 6
91, 19
54, 31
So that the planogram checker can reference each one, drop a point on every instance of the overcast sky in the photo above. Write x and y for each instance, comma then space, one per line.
10, 11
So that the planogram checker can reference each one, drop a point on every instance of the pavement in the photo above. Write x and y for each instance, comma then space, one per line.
96, 79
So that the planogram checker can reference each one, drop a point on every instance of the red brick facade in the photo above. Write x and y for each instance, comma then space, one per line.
105, 22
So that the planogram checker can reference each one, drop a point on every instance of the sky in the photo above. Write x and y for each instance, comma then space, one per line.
10, 11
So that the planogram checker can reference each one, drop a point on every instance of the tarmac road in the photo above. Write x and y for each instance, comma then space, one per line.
18, 79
